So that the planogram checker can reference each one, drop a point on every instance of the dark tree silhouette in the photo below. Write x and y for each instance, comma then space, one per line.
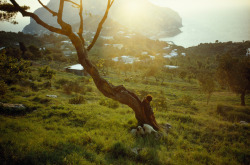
235, 73
8, 12
22, 48
118, 93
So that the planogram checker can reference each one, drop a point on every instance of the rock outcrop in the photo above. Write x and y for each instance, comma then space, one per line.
137, 15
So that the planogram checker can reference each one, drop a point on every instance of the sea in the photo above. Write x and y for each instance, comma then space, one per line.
211, 25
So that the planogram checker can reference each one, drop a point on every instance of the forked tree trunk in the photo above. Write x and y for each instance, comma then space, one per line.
118, 93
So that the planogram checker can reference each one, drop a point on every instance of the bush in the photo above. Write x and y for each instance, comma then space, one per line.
109, 103
58, 57
77, 100
62, 81
12, 69
46, 72
160, 103
41, 100
89, 89
182, 74
70, 87
148, 155
185, 100
47, 85
28, 56
4, 88
119, 150
34, 87
35, 51
233, 114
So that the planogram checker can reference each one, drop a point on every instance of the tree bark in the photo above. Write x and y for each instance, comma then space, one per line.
118, 93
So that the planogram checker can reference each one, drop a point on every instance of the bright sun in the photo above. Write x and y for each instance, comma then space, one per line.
133, 7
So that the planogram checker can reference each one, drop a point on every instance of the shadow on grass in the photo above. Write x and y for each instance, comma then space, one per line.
144, 151
62, 153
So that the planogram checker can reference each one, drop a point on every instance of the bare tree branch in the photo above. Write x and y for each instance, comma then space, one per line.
36, 18
73, 3
99, 28
51, 11
81, 24
65, 27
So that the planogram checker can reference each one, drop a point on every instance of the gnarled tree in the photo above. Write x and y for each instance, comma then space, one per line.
118, 93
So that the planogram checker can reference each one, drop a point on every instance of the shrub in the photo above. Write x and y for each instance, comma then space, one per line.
4, 88
34, 87
28, 56
58, 57
160, 103
62, 81
109, 103
47, 85
148, 155
182, 74
89, 89
77, 100
12, 69
41, 100
46, 72
185, 100
119, 150
71, 86
233, 114
35, 51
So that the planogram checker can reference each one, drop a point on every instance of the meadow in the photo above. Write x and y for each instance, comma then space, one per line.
81, 126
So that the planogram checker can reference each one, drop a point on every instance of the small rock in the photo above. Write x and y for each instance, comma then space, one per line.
17, 106
243, 123
52, 96
136, 150
168, 126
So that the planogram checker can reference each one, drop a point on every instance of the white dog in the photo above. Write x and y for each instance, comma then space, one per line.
148, 129
138, 131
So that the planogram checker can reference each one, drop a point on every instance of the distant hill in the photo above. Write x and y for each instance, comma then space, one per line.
149, 20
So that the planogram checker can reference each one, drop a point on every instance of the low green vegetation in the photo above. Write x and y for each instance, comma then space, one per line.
49, 116
80, 126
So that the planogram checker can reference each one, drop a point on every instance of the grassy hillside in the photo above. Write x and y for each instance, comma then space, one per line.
81, 126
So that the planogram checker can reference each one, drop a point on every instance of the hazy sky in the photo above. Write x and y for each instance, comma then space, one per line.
183, 7
200, 5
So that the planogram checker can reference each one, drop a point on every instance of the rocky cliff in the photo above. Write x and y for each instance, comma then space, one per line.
138, 15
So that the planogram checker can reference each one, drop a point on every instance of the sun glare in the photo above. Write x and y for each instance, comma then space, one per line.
133, 7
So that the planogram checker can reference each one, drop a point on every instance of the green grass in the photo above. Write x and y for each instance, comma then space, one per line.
97, 131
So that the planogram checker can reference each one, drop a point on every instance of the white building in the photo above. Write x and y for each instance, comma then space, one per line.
144, 53
120, 32
152, 57
172, 54
248, 52
171, 66
126, 59
107, 37
76, 69
119, 46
